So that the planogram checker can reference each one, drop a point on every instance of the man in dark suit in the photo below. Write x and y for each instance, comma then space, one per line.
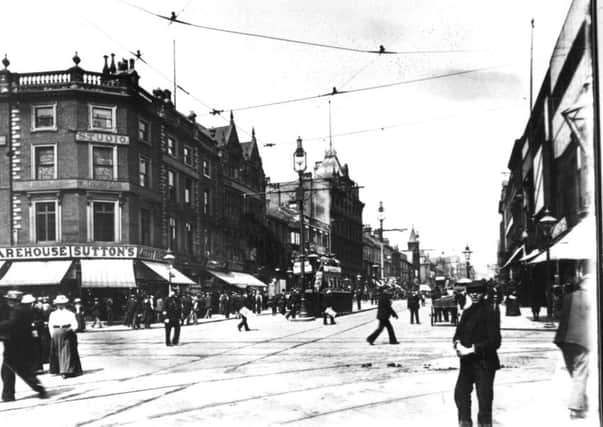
384, 312
171, 318
476, 340
413, 306
19, 348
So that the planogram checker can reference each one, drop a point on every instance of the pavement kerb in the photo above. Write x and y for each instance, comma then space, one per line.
121, 327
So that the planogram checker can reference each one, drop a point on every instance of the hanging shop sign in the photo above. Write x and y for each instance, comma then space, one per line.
22, 253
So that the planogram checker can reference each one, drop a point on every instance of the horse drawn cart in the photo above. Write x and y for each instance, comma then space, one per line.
444, 310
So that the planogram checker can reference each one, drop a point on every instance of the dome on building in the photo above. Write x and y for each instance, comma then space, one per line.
329, 166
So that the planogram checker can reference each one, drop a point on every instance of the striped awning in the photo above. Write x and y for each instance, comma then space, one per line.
33, 273
240, 280
164, 271
108, 273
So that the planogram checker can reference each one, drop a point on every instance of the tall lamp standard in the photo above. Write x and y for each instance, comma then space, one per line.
299, 166
381, 217
169, 257
467, 252
547, 222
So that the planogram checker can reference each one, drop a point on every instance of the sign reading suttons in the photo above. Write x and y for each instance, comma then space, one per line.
17, 253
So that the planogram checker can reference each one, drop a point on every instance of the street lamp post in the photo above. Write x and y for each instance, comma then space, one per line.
169, 257
467, 252
381, 217
547, 222
299, 166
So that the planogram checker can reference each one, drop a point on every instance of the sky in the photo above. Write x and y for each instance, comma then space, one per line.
433, 147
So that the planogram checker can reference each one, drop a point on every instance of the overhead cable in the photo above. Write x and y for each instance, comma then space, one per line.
381, 50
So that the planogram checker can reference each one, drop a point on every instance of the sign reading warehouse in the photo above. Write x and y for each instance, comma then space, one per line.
80, 251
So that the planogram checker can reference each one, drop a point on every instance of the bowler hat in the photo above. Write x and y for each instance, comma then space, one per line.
475, 286
61, 299
28, 299
13, 295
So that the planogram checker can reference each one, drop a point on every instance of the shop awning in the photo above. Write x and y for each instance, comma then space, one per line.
530, 256
162, 270
513, 257
240, 280
28, 273
578, 244
108, 273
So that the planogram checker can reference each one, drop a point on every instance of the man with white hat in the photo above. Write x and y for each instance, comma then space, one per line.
19, 350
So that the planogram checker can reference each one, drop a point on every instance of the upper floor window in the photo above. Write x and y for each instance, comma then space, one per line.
190, 235
44, 117
206, 168
144, 131
172, 235
45, 217
187, 155
102, 118
104, 165
188, 190
171, 182
45, 160
103, 220
144, 171
145, 227
205, 202
171, 146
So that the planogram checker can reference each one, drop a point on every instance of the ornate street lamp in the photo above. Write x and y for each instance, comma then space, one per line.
547, 223
299, 166
467, 252
170, 258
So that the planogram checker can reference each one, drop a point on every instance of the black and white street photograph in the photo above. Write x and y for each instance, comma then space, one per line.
301, 213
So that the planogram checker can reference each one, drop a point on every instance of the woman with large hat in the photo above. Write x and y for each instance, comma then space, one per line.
62, 324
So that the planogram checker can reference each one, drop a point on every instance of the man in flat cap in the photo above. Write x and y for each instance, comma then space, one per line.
19, 348
476, 340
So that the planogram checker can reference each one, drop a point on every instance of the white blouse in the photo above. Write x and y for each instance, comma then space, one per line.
62, 317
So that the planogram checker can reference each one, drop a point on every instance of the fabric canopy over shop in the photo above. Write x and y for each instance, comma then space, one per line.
108, 273
513, 257
424, 287
27, 273
578, 244
530, 256
163, 270
240, 280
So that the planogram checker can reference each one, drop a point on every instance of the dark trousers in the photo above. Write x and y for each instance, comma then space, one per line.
243, 323
291, 313
473, 371
390, 331
9, 372
358, 303
174, 323
414, 315
324, 318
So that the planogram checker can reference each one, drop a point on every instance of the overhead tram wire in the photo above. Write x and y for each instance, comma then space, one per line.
381, 50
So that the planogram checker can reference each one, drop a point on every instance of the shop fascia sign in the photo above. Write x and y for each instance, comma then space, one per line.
22, 253
103, 138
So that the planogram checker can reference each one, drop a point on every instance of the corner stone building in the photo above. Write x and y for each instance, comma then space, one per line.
98, 179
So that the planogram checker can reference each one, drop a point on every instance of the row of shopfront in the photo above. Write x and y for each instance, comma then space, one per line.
73, 269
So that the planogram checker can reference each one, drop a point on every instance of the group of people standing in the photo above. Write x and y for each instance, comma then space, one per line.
32, 339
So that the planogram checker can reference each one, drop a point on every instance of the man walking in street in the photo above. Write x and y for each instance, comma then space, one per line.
384, 312
476, 339
573, 338
327, 309
413, 304
171, 319
19, 348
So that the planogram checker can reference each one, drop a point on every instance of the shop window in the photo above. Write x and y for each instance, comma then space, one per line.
45, 221
103, 162
44, 117
102, 118
44, 162
103, 219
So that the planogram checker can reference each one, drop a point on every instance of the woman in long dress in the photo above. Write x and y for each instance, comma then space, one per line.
64, 357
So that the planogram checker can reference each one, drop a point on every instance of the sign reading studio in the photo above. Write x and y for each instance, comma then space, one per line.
23, 253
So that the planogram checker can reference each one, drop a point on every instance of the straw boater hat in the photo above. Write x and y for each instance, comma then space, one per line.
13, 295
61, 299
28, 299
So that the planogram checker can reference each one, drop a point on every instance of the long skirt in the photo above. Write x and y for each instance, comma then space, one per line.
64, 357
